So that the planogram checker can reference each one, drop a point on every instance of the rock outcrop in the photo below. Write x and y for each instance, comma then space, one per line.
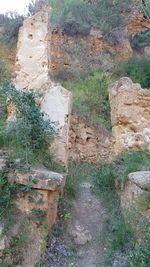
134, 200
130, 115
73, 55
32, 72
44, 189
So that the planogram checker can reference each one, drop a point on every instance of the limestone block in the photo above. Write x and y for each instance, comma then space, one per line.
141, 179
56, 103
44, 201
130, 116
39, 178
135, 191
32, 53
42, 194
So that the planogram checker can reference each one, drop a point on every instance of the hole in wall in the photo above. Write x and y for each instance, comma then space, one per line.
30, 36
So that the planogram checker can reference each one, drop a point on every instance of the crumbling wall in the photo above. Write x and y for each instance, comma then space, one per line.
130, 116
32, 72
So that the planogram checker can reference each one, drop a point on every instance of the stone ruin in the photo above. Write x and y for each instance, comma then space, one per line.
32, 73
130, 116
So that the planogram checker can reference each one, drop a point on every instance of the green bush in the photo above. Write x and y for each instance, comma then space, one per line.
78, 17
140, 38
30, 132
90, 96
119, 169
4, 71
11, 22
139, 254
137, 69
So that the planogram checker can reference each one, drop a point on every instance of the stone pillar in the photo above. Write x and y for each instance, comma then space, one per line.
130, 116
44, 188
32, 72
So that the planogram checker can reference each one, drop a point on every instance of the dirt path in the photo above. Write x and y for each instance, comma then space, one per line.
77, 240
86, 226
80, 243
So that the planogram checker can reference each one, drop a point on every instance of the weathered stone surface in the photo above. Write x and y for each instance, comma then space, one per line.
32, 72
39, 178
41, 200
88, 143
32, 53
43, 194
141, 179
130, 115
56, 103
133, 200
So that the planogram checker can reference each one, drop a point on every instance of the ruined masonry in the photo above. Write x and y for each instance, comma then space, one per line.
130, 116
32, 72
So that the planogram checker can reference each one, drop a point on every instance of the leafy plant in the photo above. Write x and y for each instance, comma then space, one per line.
90, 96
140, 38
4, 71
145, 7
11, 22
30, 130
137, 69
7, 194
139, 255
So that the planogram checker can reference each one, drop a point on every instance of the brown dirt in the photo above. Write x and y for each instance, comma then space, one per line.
88, 143
80, 241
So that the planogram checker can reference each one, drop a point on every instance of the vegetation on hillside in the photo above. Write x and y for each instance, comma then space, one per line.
10, 24
90, 97
138, 69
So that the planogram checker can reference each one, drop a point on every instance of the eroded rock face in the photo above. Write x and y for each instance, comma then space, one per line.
32, 53
130, 115
56, 103
32, 72
73, 55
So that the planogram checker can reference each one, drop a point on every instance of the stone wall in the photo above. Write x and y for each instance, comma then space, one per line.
130, 115
32, 72
134, 200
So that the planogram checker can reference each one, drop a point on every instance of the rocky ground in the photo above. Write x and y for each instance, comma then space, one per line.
77, 237
80, 244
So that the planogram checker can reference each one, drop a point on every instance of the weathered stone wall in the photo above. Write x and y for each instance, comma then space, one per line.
32, 53
73, 55
134, 200
32, 72
130, 115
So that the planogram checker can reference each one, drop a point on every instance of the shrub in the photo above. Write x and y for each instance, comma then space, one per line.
11, 22
30, 131
139, 254
4, 71
140, 38
91, 96
137, 69
78, 17
72, 16
121, 166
